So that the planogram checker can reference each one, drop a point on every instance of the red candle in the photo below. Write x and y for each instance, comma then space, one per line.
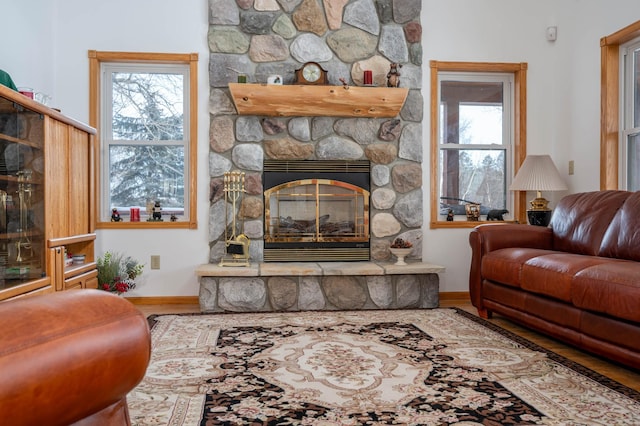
134, 214
368, 77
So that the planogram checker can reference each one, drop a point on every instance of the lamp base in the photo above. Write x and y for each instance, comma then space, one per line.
539, 217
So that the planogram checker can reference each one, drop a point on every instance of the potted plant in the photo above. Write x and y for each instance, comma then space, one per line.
117, 272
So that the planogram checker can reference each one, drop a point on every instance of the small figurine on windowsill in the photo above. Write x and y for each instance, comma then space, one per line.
173, 218
115, 216
496, 214
149, 208
450, 215
156, 213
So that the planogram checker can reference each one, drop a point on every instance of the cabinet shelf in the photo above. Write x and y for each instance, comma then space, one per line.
36, 145
77, 269
16, 235
16, 287
14, 178
57, 242
313, 101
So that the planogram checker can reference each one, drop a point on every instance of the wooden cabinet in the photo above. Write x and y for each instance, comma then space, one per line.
47, 198
66, 274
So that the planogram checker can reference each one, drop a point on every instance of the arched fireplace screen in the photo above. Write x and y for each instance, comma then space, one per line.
316, 219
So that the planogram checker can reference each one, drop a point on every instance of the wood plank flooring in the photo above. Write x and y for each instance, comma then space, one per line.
616, 372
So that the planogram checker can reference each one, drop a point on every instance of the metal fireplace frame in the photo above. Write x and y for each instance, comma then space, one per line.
317, 239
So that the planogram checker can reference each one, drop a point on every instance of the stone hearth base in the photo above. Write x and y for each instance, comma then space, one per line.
320, 286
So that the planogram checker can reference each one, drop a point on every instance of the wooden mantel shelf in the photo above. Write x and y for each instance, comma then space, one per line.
313, 101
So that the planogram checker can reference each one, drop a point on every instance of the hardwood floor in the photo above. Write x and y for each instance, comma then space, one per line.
616, 372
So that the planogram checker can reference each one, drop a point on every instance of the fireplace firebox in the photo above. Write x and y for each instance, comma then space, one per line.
316, 210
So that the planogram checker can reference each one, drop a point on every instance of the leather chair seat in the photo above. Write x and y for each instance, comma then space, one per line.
70, 358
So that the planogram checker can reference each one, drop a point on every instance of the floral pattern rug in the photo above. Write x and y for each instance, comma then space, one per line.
409, 367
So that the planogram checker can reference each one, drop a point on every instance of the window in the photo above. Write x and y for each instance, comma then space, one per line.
477, 140
630, 135
619, 139
144, 108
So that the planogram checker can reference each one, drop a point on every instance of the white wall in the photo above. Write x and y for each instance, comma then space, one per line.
141, 26
50, 40
563, 87
26, 51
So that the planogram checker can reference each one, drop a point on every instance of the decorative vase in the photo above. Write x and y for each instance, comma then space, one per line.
400, 253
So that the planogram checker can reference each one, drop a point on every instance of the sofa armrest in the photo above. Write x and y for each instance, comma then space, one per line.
488, 237
497, 236
67, 356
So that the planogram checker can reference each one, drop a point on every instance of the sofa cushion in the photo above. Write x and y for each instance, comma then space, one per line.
612, 288
553, 274
505, 265
580, 220
622, 239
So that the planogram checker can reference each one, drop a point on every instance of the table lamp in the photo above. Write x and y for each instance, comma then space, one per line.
538, 173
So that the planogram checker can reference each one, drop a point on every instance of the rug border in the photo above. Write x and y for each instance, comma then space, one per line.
561, 359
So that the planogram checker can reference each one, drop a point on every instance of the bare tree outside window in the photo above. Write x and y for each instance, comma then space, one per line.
147, 106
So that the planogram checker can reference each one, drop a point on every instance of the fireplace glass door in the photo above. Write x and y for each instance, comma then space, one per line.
317, 210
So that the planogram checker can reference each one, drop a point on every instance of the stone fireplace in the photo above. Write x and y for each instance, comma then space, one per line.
275, 37
264, 38
316, 211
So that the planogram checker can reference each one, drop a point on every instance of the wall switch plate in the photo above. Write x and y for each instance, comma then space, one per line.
155, 262
570, 167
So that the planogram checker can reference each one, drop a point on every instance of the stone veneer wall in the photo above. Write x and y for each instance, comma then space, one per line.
265, 37
318, 286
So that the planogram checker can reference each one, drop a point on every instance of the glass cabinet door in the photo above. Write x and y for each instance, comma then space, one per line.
21, 194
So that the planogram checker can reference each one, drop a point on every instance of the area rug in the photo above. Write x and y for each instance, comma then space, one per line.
409, 367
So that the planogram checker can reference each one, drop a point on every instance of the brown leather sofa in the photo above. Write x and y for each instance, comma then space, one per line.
70, 358
577, 280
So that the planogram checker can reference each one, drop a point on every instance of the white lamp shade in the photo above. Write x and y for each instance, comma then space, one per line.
538, 173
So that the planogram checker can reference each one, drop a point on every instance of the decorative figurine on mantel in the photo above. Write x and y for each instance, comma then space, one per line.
156, 213
393, 76
115, 216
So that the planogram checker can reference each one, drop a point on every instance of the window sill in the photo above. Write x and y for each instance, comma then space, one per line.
147, 225
465, 223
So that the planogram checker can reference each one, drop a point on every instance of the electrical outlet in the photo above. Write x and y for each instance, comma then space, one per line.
155, 262
571, 167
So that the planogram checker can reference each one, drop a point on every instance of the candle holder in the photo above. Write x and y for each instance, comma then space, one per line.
400, 254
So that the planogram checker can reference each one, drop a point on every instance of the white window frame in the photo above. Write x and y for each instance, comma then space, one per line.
507, 123
106, 132
627, 109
